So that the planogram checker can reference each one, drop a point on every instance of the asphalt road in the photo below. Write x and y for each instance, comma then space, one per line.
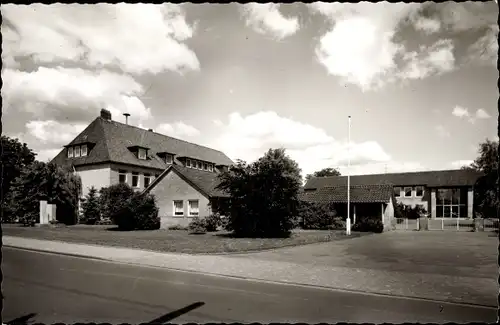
49, 288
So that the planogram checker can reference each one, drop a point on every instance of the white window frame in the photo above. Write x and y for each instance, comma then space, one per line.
397, 187
122, 172
75, 150
188, 163
182, 208
70, 152
199, 165
205, 166
84, 146
404, 191
210, 168
148, 177
142, 154
135, 174
190, 212
169, 157
416, 191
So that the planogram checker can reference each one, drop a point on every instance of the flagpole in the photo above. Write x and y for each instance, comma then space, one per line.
348, 221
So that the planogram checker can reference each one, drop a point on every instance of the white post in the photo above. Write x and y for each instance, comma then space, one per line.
354, 216
418, 224
406, 221
458, 224
348, 221
442, 223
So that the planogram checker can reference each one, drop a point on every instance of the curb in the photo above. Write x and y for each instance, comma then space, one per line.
296, 284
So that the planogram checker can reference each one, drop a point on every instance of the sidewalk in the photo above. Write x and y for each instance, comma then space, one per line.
468, 290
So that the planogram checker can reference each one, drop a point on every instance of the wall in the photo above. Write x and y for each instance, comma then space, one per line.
173, 187
141, 170
96, 175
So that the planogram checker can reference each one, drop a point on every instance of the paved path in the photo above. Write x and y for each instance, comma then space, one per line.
472, 290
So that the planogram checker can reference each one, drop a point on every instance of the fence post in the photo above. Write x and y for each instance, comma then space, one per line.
406, 224
458, 224
442, 224
418, 224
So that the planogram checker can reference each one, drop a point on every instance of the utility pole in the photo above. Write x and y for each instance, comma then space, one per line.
348, 221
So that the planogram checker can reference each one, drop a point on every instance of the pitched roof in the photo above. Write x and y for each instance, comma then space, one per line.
358, 194
428, 178
112, 140
205, 182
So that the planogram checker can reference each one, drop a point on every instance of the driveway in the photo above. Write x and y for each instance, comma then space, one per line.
432, 252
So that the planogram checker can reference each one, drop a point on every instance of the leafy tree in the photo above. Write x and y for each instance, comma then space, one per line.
264, 195
42, 181
323, 173
15, 156
90, 207
486, 196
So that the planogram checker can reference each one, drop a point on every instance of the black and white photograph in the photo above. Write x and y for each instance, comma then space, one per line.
318, 162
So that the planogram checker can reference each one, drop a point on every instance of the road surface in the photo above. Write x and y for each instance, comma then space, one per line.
50, 288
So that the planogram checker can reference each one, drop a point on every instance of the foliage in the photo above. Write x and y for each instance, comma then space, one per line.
213, 222
42, 181
368, 225
323, 173
197, 226
90, 208
486, 195
264, 195
319, 216
15, 157
104, 222
177, 227
129, 210
408, 212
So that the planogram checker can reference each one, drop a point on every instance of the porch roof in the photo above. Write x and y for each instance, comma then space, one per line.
358, 194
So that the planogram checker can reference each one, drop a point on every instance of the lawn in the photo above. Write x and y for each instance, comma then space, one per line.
176, 241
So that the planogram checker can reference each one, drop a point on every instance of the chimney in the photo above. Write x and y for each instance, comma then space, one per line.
105, 114
126, 117
150, 130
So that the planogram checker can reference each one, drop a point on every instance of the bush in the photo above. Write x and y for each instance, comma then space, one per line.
104, 222
90, 208
319, 216
368, 225
197, 226
177, 227
213, 222
112, 199
408, 212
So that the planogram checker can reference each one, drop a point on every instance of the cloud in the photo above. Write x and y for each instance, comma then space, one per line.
72, 94
54, 132
137, 38
462, 112
460, 163
249, 137
267, 19
383, 168
485, 49
178, 129
427, 25
482, 114
442, 131
46, 154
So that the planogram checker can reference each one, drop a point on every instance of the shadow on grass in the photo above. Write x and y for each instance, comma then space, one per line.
21, 320
255, 236
175, 314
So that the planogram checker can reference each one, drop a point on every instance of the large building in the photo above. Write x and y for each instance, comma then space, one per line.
108, 152
444, 194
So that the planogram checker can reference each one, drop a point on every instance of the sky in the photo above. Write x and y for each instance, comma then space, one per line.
418, 80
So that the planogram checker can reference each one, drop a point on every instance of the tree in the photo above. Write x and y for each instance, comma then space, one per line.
42, 181
323, 173
90, 207
15, 156
263, 195
486, 196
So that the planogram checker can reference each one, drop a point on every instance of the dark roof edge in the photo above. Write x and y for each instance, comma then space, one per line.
116, 162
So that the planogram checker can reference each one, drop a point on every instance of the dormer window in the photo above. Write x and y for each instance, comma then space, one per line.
141, 154
77, 151
188, 163
210, 168
205, 166
199, 165
169, 159
84, 150
70, 152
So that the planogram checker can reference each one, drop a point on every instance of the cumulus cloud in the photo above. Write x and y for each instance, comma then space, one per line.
482, 114
137, 38
265, 18
178, 129
249, 137
460, 163
427, 25
54, 132
462, 112
72, 94
485, 49
46, 155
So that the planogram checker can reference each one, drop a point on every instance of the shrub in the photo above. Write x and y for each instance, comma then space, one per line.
368, 225
197, 226
213, 222
317, 216
177, 227
104, 222
408, 212
114, 198
90, 208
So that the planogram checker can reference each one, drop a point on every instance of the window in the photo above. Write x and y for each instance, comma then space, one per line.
205, 166
397, 191
451, 203
122, 176
178, 208
168, 159
210, 168
193, 207
419, 191
141, 154
199, 165
70, 152
188, 163
77, 151
84, 150
407, 191
135, 179
147, 180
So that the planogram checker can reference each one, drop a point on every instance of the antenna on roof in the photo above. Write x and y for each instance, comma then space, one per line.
126, 117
